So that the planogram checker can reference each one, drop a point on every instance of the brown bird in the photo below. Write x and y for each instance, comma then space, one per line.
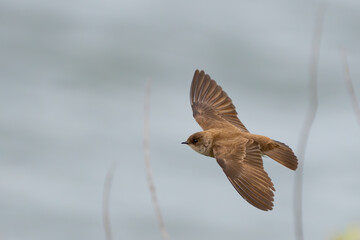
237, 151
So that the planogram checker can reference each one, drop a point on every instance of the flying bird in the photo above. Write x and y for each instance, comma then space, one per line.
237, 151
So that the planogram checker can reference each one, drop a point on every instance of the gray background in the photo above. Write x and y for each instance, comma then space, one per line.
73, 76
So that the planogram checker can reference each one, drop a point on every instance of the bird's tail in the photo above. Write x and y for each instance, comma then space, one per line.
283, 155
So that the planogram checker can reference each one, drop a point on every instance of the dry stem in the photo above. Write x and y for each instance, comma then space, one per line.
106, 201
149, 176
310, 116
350, 86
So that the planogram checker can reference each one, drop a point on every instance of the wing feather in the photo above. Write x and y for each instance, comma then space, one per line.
244, 169
210, 102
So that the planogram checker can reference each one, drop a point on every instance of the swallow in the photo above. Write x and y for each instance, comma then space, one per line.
237, 151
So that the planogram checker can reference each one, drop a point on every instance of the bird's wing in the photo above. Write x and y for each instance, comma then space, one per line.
210, 104
243, 166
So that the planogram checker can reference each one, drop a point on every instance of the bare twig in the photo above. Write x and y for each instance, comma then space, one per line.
155, 202
106, 201
310, 116
350, 86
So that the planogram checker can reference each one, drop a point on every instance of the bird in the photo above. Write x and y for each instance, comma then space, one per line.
238, 152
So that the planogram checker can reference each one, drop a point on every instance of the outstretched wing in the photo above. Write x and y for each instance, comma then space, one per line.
210, 104
243, 167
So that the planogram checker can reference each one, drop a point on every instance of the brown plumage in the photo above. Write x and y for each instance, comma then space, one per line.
237, 151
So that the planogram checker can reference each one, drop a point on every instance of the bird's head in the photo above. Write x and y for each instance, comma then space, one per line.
200, 142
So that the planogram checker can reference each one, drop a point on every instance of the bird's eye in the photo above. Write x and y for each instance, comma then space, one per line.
195, 140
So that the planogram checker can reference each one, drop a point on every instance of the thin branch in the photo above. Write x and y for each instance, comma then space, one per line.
106, 201
149, 176
349, 85
310, 117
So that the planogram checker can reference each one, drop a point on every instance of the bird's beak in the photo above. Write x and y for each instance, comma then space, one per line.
184, 143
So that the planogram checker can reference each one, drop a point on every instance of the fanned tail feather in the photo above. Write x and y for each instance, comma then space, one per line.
283, 155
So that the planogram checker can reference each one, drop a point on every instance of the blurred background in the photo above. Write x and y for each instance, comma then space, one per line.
73, 77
